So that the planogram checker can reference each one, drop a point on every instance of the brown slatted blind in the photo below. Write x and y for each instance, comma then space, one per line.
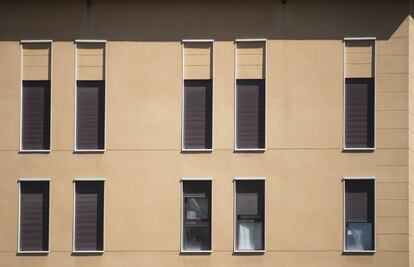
89, 217
250, 114
90, 116
198, 114
359, 201
34, 216
359, 112
36, 115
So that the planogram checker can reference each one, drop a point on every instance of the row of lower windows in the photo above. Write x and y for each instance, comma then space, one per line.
197, 121
249, 215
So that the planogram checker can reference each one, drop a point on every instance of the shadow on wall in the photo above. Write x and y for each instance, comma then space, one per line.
162, 20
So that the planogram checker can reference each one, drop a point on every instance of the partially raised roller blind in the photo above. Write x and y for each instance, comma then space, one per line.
36, 61
198, 61
359, 94
250, 60
89, 216
359, 59
90, 61
34, 216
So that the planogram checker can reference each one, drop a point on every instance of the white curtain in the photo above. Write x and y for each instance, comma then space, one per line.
250, 236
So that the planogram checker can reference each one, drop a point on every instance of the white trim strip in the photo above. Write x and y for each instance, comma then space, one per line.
196, 179
89, 179
359, 38
89, 41
197, 40
33, 179
249, 178
249, 251
87, 251
33, 252
251, 40
35, 41
359, 178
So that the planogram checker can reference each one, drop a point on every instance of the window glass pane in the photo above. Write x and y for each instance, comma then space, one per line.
250, 215
197, 218
359, 214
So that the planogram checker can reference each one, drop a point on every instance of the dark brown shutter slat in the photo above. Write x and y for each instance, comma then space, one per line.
250, 114
89, 216
36, 115
34, 216
359, 112
90, 114
198, 114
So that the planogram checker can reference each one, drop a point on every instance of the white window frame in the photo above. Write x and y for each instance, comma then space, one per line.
182, 250
22, 43
75, 140
348, 251
98, 179
235, 250
350, 39
19, 251
183, 42
236, 41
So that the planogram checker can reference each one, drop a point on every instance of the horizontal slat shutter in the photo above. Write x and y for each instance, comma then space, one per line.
359, 112
359, 59
36, 61
90, 128
250, 114
198, 114
250, 60
90, 64
89, 216
34, 216
36, 115
198, 60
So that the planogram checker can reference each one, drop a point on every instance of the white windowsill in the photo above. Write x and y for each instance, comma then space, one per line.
250, 149
33, 252
90, 150
196, 251
88, 251
358, 149
249, 251
197, 150
35, 150
359, 251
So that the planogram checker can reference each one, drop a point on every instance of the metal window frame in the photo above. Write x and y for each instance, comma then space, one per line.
356, 178
98, 179
238, 251
75, 139
350, 39
183, 42
19, 251
254, 40
193, 179
21, 150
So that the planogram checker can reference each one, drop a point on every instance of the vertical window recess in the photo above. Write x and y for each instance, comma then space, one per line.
250, 95
249, 216
34, 217
36, 97
359, 94
196, 216
359, 215
90, 96
89, 216
198, 96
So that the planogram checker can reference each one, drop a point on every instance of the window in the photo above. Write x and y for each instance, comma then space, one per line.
250, 95
196, 216
198, 95
359, 94
359, 215
249, 216
90, 96
36, 96
89, 216
34, 216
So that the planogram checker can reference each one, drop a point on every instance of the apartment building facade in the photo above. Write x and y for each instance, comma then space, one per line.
206, 133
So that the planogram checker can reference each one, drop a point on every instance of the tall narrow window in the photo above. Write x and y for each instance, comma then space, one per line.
34, 216
89, 216
35, 106
359, 94
250, 215
359, 215
198, 95
196, 216
90, 96
250, 95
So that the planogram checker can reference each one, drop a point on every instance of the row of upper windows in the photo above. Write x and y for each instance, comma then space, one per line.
196, 214
197, 117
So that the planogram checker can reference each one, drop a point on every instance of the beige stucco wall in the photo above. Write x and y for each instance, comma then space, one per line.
304, 163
